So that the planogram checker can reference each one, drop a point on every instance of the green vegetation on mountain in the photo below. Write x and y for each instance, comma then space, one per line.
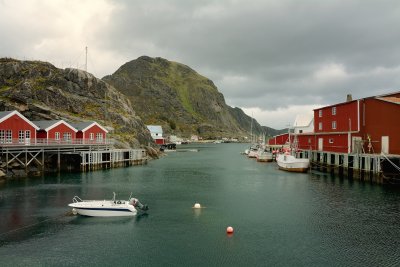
41, 91
178, 98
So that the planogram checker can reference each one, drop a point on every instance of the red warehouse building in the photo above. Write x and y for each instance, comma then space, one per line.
16, 129
380, 127
55, 131
279, 140
90, 132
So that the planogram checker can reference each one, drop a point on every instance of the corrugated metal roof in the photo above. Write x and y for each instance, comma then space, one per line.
154, 128
82, 125
45, 124
303, 120
5, 113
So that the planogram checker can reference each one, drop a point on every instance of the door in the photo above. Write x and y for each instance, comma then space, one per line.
320, 144
385, 144
357, 144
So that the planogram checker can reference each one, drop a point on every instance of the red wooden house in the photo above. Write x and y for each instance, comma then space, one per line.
55, 131
16, 129
90, 132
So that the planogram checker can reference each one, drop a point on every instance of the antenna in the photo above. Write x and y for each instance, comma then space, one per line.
86, 50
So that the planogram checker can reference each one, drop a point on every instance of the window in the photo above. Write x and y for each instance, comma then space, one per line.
67, 136
330, 140
8, 136
99, 137
91, 136
2, 136
309, 140
300, 131
320, 126
320, 113
21, 136
27, 134
57, 135
333, 110
333, 124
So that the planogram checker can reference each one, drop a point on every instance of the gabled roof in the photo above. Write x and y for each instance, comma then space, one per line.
4, 115
47, 125
84, 126
303, 120
155, 128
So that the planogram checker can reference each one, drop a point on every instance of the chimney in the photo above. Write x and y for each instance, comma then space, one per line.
349, 98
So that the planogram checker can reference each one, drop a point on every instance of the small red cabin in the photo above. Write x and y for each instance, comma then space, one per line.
90, 132
55, 131
16, 129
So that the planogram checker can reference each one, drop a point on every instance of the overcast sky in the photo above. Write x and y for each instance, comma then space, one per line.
272, 58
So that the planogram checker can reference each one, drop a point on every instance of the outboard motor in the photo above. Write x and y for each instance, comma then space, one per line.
136, 203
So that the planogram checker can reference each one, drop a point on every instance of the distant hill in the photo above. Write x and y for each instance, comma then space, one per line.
41, 91
181, 100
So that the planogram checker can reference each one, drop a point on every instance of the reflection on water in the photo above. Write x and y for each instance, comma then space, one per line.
280, 218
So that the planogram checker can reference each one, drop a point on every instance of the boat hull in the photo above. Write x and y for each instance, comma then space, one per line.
103, 209
292, 164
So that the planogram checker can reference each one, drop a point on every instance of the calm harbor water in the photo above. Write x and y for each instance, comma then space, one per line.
280, 218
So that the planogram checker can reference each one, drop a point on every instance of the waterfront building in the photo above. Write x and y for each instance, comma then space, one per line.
367, 125
55, 131
156, 133
90, 132
279, 140
16, 128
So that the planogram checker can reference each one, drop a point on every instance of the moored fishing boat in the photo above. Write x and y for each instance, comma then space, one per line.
106, 208
264, 156
290, 163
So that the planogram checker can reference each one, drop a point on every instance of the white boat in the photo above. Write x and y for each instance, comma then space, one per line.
290, 163
106, 208
264, 156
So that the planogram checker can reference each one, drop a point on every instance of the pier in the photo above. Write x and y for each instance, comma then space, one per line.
38, 158
364, 167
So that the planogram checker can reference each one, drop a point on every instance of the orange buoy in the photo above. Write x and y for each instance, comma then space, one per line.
229, 230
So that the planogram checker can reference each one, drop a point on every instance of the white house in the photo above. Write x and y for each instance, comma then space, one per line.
156, 133
303, 124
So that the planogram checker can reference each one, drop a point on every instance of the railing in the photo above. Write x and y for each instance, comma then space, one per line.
53, 142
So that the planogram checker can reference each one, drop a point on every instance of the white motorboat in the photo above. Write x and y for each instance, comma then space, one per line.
106, 208
290, 163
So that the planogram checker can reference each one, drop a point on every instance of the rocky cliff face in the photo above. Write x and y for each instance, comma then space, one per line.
41, 91
176, 97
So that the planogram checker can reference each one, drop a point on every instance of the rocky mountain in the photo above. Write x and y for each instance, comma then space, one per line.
178, 98
41, 91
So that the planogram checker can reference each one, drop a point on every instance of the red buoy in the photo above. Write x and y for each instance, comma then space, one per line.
229, 230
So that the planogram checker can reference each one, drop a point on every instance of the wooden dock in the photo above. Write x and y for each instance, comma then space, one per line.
365, 167
23, 160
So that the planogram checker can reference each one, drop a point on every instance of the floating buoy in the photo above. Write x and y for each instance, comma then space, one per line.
74, 211
229, 230
197, 206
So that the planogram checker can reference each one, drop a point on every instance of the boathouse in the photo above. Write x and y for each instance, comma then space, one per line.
16, 129
279, 140
90, 132
55, 131
156, 133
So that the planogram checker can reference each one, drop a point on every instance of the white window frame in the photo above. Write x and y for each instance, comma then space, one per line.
330, 140
9, 136
333, 110
99, 137
91, 136
21, 136
67, 136
57, 136
320, 113
320, 126
334, 125
2, 136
